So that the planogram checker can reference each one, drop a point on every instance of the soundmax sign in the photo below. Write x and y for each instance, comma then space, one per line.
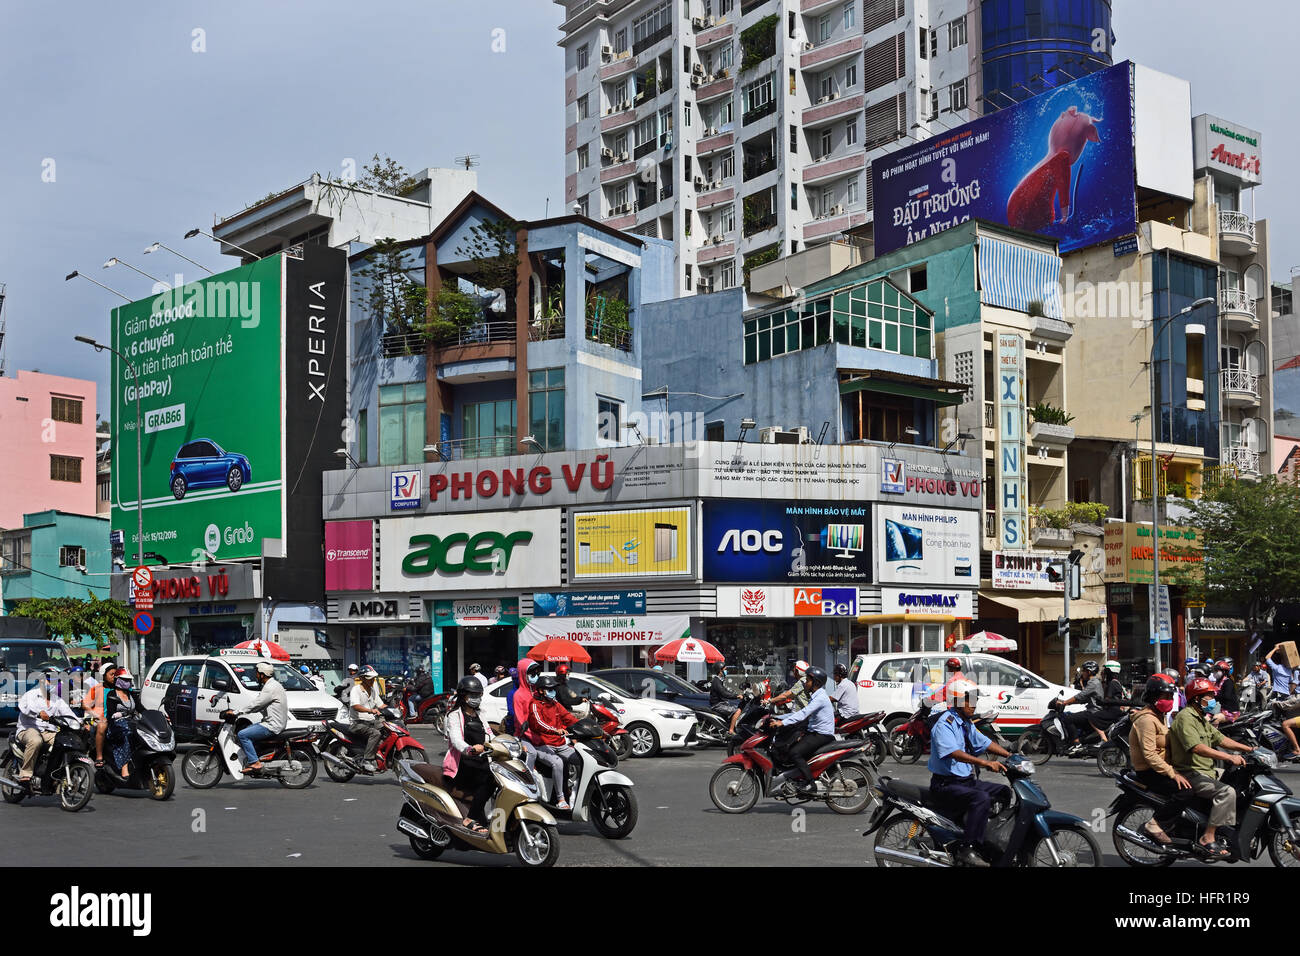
490, 551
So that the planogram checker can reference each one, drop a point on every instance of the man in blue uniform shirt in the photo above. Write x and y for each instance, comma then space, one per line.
955, 746
820, 714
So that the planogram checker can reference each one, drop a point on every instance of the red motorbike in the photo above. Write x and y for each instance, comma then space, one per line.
865, 727
841, 777
909, 738
616, 736
342, 751
431, 710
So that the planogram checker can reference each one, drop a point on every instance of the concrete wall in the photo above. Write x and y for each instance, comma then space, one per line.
29, 436
50, 531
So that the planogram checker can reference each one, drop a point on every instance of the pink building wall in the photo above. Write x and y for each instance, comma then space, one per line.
29, 435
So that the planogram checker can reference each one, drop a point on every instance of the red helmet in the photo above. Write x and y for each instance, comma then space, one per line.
1162, 676
954, 664
1199, 687
562, 671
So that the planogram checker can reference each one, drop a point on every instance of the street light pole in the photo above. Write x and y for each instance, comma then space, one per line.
139, 463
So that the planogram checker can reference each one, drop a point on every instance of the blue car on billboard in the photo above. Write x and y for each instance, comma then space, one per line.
202, 464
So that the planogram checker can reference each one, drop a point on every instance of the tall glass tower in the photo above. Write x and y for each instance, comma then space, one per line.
1032, 45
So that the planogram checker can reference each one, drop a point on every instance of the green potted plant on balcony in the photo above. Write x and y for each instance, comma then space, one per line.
608, 320
453, 311
758, 42
1050, 425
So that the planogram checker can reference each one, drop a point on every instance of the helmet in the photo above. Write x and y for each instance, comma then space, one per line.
1112, 666
263, 668
352, 668
841, 671
533, 669
1156, 688
1191, 661
1224, 665
500, 671
1199, 687
816, 675
474, 668
105, 667
1171, 674
78, 669
1200, 670
547, 682
1165, 677
562, 672
953, 664
305, 669
369, 671
800, 667
963, 691
468, 687
1090, 667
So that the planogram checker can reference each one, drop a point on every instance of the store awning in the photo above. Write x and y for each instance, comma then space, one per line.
909, 386
1033, 609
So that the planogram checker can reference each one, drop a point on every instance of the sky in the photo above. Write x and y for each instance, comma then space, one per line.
127, 123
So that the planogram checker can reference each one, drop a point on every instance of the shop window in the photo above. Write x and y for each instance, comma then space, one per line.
401, 423
488, 429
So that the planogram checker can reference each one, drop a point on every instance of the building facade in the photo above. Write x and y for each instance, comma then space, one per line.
54, 554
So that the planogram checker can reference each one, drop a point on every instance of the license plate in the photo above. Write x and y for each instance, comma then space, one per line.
410, 828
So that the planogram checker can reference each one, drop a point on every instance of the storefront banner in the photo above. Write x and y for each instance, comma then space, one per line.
1129, 554
472, 552
930, 483
607, 631
1013, 506
381, 607
198, 582
788, 602
1226, 148
587, 603
1025, 571
476, 613
927, 545
349, 555
926, 601
768, 541
641, 543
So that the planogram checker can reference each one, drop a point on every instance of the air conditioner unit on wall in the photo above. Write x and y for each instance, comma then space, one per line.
606, 153
697, 80
606, 52
783, 436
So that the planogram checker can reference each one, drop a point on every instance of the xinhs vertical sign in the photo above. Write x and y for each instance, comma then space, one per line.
1013, 526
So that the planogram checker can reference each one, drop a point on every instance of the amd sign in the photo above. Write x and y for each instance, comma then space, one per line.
372, 609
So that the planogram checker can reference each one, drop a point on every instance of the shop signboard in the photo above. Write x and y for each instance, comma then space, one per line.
1012, 477
189, 583
924, 600
587, 603
1226, 148
1024, 571
1060, 164
349, 555
797, 601
1129, 554
475, 612
766, 541
633, 543
654, 629
929, 545
404, 490
470, 552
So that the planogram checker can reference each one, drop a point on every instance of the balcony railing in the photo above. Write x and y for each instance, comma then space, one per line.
398, 344
646, 148
1236, 300
484, 333
758, 112
747, 5
496, 446
1240, 380
647, 42
1244, 460
548, 327
1236, 223
611, 335
757, 167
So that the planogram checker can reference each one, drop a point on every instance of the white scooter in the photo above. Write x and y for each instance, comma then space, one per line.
287, 757
603, 795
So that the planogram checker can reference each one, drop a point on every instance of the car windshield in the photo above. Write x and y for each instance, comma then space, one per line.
672, 682
32, 657
600, 685
290, 678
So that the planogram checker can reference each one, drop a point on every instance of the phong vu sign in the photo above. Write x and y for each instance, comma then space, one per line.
769, 541
927, 482
1014, 512
1059, 164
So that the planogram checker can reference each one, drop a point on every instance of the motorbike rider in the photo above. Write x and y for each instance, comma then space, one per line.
570, 699
797, 693
1194, 744
273, 702
1284, 680
35, 729
1092, 693
718, 690
365, 706
92, 705
344, 691
955, 748
938, 700
1148, 742
548, 723
118, 705
1229, 700
843, 693
421, 689
820, 714
1113, 701
476, 672
466, 764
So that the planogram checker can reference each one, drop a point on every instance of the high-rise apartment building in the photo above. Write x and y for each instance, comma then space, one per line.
744, 130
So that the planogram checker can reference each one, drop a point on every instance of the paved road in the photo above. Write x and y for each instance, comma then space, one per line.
260, 823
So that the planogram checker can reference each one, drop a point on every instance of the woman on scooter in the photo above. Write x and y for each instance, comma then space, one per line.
1148, 743
93, 706
548, 721
465, 763
118, 704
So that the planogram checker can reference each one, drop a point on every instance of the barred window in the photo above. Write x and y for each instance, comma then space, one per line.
72, 556
880, 12
65, 409
885, 122
65, 468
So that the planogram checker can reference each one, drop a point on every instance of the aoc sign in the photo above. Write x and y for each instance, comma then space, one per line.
470, 551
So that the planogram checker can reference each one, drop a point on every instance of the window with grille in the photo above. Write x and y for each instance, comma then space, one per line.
65, 468
71, 556
878, 13
868, 195
957, 95
884, 62
885, 122
65, 409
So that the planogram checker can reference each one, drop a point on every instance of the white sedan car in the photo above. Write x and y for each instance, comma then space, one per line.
652, 724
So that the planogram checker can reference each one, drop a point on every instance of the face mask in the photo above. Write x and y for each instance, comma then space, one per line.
1165, 706
532, 678
473, 701
122, 683
1212, 707
550, 693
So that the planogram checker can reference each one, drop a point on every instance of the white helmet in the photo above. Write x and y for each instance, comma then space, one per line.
800, 667
265, 669
369, 671
963, 692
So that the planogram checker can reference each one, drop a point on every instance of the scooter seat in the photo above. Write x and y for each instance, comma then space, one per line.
909, 792
295, 734
341, 727
430, 774
833, 745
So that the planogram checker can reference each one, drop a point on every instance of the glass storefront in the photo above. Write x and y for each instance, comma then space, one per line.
757, 650
896, 638
207, 635
392, 649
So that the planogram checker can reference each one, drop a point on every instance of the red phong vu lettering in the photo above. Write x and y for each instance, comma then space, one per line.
508, 482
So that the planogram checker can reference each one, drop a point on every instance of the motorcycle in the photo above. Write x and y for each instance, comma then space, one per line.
910, 738
432, 813
341, 751
912, 830
753, 707
713, 724
289, 758
63, 768
616, 735
602, 795
1260, 729
1268, 815
865, 727
1050, 737
430, 710
761, 769
1113, 756
153, 748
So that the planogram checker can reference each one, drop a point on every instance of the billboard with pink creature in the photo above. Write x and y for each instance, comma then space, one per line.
1060, 164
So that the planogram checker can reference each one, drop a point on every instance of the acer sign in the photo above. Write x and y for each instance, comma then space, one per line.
768, 541
470, 552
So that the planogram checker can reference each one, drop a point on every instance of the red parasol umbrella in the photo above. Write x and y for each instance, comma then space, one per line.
266, 648
689, 650
558, 649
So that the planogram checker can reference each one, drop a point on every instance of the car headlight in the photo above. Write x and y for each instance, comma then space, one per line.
673, 714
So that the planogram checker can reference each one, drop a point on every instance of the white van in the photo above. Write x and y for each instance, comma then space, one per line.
895, 683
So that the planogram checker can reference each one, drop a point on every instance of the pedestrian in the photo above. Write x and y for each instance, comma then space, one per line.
1283, 676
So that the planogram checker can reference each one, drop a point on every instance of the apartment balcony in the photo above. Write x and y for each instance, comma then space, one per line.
618, 172
1055, 436
715, 248
712, 37
813, 6
714, 142
461, 449
837, 220
645, 43
1061, 539
718, 197
749, 6
1237, 309
757, 167
1240, 388
828, 54
834, 168
484, 333
1056, 330
1244, 461
626, 64
835, 107
760, 223
1236, 233
719, 86
399, 344
758, 113
619, 116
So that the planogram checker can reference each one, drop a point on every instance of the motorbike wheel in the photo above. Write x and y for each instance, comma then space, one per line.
1283, 850
1135, 818
734, 789
613, 811
439, 721
104, 782
1035, 746
1074, 843
545, 849
76, 791
304, 777
1111, 760
12, 794
862, 797
879, 748
902, 834
162, 780
201, 769
413, 754
905, 747
338, 774
621, 744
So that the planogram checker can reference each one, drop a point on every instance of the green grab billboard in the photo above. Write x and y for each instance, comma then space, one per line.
210, 356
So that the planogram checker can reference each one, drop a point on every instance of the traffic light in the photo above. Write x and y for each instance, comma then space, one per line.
1056, 572
1062, 626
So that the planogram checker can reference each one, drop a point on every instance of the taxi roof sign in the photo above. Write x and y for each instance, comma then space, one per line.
248, 652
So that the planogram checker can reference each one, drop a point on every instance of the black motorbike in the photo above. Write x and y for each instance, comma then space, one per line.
1260, 729
918, 827
63, 769
153, 748
1113, 756
1051, 737
1268, 817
